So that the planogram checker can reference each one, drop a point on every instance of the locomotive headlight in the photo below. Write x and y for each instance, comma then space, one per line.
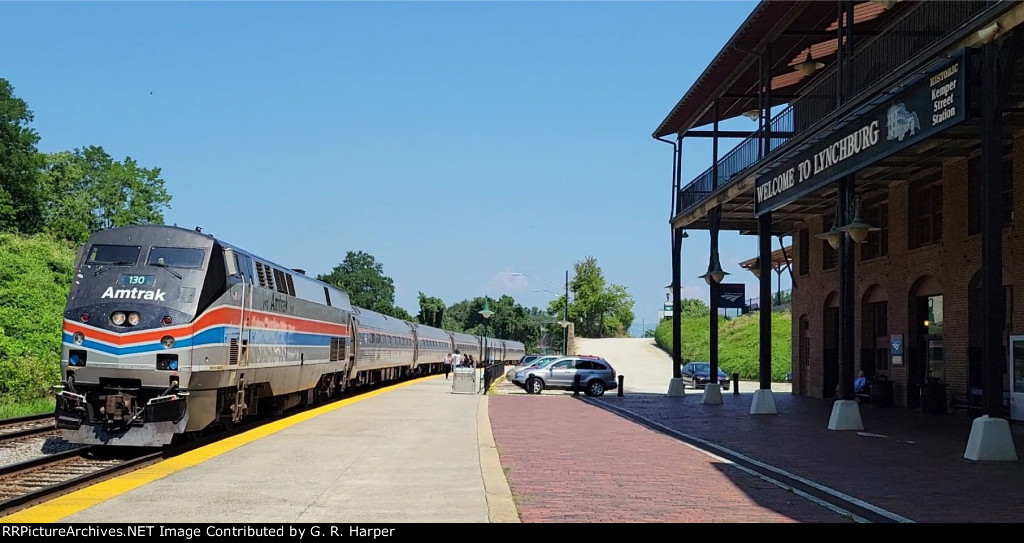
117, 318
167, 342
133, 319
78, 338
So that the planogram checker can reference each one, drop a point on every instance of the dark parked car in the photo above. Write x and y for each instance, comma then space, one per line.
526, 359
698, 374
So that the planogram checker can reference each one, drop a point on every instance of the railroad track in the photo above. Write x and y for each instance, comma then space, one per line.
21, 427
33, 480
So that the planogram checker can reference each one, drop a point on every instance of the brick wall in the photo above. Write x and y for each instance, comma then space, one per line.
952, 262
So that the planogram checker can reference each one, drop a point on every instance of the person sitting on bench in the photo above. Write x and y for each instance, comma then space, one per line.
859, 383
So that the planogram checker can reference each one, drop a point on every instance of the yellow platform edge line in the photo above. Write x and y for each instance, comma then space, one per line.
68, 504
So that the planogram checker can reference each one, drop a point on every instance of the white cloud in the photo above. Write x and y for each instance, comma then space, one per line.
506, 282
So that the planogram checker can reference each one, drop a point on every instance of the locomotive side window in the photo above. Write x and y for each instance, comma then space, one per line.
118, 255
176, 257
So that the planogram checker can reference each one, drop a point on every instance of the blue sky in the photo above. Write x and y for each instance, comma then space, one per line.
459, 143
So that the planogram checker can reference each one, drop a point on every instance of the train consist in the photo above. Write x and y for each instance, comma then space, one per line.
169, 331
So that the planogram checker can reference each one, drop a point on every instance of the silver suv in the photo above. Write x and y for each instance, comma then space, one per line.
596, 375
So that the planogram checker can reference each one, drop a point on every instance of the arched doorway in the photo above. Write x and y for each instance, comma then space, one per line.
804, 358
830, 346
925, 354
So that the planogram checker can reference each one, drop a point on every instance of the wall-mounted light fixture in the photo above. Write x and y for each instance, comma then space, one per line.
809, 66
753, 114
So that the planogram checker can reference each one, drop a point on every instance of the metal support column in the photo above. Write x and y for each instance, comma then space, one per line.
764, 264
677, 246
716, 214
846, 278
714, 151
990, 437
763, 402
766, 83
993, 308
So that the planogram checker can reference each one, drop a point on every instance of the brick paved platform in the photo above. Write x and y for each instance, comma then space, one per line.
633, 459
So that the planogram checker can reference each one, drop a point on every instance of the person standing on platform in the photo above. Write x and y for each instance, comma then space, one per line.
447, 365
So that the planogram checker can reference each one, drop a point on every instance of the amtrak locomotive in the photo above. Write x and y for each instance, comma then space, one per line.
169, 331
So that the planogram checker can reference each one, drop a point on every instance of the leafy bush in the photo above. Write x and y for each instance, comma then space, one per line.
35, 276
738, 345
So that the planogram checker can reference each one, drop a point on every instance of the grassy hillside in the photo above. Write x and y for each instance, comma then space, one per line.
35, 275
737, 343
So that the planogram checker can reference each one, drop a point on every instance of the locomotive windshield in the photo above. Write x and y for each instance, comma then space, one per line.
118, 255
176, 257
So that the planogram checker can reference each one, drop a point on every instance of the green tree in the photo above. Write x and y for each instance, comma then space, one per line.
399, 313
693, 307
431, 311
363, 278
620, 315
598, 310
510, 320
69, 212
87, 190
21, 199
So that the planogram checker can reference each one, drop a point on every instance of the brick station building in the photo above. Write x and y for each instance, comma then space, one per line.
889, 145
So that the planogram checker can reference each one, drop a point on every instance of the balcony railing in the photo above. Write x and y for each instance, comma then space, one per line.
923, 26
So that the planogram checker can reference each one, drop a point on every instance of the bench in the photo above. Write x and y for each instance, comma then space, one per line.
864, 394
970, 403
877, 392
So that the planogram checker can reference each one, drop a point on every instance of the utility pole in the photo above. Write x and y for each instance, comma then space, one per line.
565, 329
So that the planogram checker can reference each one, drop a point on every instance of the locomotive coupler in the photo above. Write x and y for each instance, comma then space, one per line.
120, 410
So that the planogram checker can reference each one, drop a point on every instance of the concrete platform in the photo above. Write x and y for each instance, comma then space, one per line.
410, 453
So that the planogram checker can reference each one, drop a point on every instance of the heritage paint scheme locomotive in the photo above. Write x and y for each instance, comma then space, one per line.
168, 331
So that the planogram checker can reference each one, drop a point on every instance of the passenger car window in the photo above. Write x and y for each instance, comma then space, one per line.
584, 365
565, 364
599, 366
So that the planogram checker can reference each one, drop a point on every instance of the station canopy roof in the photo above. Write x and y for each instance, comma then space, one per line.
793, 29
